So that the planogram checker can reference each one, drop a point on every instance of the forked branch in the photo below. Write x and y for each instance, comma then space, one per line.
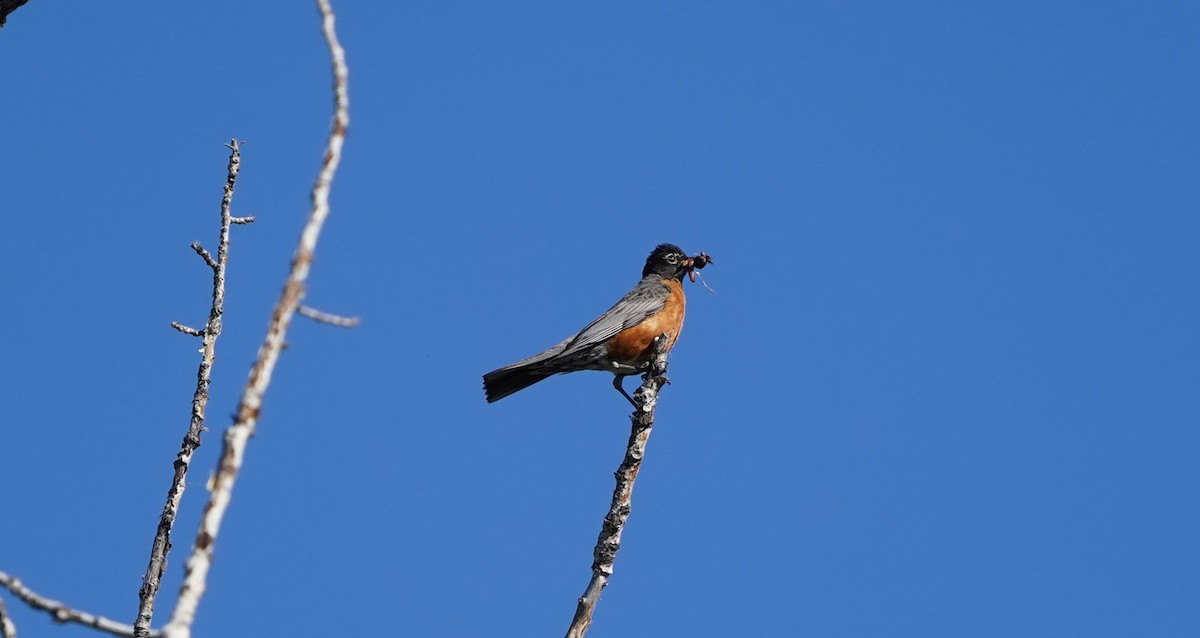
60, 611
212, 329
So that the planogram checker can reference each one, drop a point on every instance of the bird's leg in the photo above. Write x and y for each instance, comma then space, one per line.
617, 384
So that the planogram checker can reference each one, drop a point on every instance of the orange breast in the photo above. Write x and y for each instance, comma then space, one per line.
632, 346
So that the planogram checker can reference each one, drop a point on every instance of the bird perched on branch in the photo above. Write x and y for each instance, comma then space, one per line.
620, 340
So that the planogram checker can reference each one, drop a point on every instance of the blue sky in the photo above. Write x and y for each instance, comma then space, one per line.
946, 384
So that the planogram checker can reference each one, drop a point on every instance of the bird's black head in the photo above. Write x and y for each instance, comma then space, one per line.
667, 261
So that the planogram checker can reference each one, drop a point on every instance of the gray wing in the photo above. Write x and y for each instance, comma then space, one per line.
645, 300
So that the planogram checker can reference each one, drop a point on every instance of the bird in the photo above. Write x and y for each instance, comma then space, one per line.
620, 340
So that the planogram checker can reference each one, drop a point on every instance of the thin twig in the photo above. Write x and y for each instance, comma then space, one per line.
609, 541
204, 254
61, 612
191, 441
187, 330
329, 318
234, 444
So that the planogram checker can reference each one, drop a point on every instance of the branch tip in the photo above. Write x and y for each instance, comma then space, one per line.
204, 254
187, 330
329, 318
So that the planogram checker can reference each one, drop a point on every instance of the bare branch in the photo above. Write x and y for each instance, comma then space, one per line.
187, 330
7, 628
61, 612
331, 319
204, 254
191, 441
609, 541
248, 219
236, 437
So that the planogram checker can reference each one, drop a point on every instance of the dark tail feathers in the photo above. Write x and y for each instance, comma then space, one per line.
505, 381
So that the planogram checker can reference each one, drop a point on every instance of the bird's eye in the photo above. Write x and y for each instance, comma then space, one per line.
672, 258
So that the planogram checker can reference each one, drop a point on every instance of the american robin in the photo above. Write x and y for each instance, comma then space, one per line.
620, 340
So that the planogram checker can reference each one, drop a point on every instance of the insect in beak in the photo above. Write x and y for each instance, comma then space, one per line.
692, 264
